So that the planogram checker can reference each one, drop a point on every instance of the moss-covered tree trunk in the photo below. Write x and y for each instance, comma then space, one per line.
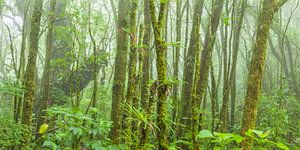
146, 56
120, 71
213, 97
188, 86
132, 97
189, 65
161, 67
43, 102
257, 65
145, 97
195, 42
29, 79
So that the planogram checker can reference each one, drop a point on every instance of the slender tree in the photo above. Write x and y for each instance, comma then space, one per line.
161, 67
120, 70
206, 55
235, 48
177, 56
145, 97
132, 97
20, 75
224, 115
43, 102
195, 43
29, 80
257, 64
189, 64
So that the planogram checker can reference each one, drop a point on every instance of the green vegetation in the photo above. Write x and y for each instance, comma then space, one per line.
149, 75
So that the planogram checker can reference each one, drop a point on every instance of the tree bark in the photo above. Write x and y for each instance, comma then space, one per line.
132, 97
161, 67
43, 102
189, 65
224, 115
120, 71
177, 58
145, 97
188, 101
257, 65
29, 80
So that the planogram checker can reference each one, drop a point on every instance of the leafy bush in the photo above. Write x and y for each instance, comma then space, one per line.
13, 135
280, 115
261, 141
225, 141
73, 129
11, 88
222, 140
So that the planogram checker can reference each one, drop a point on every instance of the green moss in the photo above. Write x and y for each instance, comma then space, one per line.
161, 67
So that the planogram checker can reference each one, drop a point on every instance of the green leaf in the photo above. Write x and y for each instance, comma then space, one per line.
205, 134
50, 144
265, 134
238, 138
97, 146
76, 131
249, 133
258, 132
282, 146
261, 134
224, 136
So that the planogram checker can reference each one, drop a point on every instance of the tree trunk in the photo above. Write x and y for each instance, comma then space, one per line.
224, 115
120, 71
188, 101
257, 65
213, 98
177, 58
189, 65
21, 69
236, 43
161, 67
29, 80
145, 97
132, 97
43, 102
206, 55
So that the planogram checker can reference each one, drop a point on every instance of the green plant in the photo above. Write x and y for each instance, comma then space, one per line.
222, 140
280, 114
11, 88
73, 129
225, 141
13, 135
261, 141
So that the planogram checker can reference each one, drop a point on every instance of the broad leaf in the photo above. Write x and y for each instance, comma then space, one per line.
50, 144
205, 134
282, 146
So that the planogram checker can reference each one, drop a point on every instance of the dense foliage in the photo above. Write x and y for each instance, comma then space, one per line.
149, 74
